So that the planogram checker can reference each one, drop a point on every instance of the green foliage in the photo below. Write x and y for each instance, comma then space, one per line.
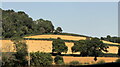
8, 59
15, 24
59, 46
74, 63
19, 24
58, 60
41, 59
44, 26
58, 30
111, 39
48, 39
90, 47
21, 52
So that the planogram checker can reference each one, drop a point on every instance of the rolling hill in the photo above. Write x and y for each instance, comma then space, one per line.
46, 46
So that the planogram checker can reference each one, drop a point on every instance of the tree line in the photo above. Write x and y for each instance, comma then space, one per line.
18, 24
111, 39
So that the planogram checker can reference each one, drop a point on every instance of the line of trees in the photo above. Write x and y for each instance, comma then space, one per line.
111, 39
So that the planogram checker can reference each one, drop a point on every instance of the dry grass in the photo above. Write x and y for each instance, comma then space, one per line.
113, 49
89, 60
110, 42
65, 37
44, 46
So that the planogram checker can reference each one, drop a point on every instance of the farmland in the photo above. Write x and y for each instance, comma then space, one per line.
46, 46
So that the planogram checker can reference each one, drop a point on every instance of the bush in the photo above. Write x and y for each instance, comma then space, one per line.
8, 59
86, 63
101, 62
58, 60
41, 59
118, 60
74, 63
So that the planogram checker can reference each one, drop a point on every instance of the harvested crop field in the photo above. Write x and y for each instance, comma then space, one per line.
34, 46
65, 37
90, 60
113, 49
110, 42
44, 46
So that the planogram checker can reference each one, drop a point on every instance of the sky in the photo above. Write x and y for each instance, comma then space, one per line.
97, 19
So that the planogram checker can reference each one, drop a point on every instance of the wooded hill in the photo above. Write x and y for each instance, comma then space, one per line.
19, 24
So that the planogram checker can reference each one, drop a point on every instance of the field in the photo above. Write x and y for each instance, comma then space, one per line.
46, 46
89, 60
66, 37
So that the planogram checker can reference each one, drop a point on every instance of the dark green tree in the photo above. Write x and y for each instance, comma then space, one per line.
58, 30
92, 47
44, 26
59, 46
41, 59
58, 60
21, 51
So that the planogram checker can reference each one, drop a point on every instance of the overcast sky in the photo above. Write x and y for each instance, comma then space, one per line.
95, 19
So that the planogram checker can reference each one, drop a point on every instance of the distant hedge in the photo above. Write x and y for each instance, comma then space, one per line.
50, 39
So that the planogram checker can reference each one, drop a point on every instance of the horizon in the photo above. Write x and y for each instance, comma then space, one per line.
82, 14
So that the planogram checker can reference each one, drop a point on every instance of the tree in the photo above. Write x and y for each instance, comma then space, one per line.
59, 46
44, 24
41, 59
92, 47
21, 51
58, 60
59, 30
119, 51
108, 36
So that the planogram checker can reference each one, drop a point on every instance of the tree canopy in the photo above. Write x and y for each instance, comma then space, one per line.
59, 46
41, 59
91, 47
18, 24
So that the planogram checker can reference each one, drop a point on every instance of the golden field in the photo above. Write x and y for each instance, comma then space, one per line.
90, 60
66, 37
46, 46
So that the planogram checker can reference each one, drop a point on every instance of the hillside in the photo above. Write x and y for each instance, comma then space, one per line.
66, 37
46, 46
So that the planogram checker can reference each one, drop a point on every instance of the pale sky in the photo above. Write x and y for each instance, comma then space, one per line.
95, 19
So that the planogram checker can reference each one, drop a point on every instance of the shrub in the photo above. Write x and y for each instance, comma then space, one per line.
118, 60
74, 63
41, 59
101, 62
58, 60
8, 59
86, 63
